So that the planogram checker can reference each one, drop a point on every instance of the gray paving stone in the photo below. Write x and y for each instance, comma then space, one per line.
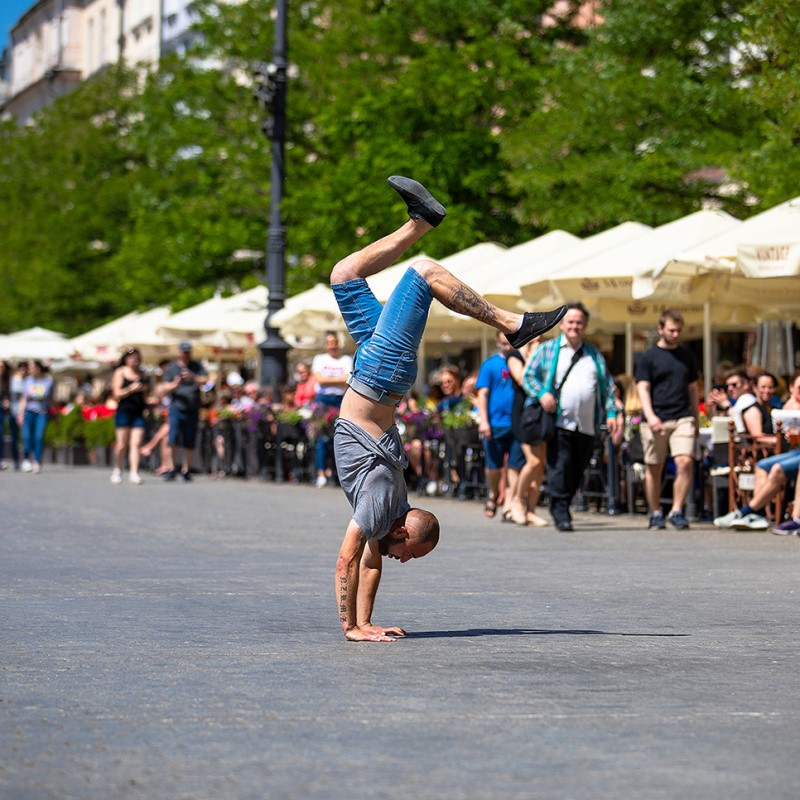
181, 641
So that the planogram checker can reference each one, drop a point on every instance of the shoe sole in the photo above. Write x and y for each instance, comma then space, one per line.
411, 190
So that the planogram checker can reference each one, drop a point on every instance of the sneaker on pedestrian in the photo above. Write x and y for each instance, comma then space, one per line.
27, 466
135, 479
186, 477
727, 520
116, 476
788, 528
752, 522
321, 481
3, 465
677, 520
656, 522
37, 468
170, 475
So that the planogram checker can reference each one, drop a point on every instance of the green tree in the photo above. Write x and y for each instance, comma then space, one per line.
64, 185
644, 123
771, 61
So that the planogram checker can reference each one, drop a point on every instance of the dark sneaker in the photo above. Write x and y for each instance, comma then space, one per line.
535, 323
657, 522
421, 203
565, 526
169, 476
677, 520
788, 528
186, 477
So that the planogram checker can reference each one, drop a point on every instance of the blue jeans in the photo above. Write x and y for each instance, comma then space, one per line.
789, 463
33, 428
13, 429
387, 336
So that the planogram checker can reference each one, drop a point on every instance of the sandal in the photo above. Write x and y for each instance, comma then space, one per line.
490, 507
518, 513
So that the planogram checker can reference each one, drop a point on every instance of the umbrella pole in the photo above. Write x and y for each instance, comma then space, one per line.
707, 348
629, 348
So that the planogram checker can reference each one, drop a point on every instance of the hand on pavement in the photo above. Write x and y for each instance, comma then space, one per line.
374, 633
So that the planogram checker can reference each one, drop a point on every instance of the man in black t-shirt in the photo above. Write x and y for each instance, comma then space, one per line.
666, 380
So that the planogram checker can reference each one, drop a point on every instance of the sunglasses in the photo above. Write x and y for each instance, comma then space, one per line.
735, 385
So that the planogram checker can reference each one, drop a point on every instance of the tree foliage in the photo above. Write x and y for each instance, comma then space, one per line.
141, 189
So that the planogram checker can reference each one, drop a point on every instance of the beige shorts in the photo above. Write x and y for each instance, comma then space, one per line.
677, 433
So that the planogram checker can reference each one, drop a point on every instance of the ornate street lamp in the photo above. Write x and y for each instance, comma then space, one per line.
271, 94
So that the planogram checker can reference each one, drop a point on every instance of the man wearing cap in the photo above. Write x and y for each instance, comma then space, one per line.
182, 381
369, 454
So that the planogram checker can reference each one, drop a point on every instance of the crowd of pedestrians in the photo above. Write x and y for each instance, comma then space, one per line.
463, 431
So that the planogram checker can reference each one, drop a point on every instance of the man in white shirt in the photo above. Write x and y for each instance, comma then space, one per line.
330, 370
571, 380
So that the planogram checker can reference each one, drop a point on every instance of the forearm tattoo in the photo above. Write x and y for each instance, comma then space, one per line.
343, 598
467, 301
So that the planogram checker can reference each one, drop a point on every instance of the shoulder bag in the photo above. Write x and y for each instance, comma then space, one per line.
538, 425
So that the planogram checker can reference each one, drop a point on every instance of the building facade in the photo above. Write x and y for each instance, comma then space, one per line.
57, 44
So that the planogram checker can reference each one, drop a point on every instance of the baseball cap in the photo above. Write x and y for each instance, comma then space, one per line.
235, 379
185, 347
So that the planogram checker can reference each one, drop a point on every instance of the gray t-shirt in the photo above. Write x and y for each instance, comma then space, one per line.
371, 474
187, 394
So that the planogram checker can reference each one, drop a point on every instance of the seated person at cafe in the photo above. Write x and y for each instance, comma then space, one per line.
772, 475
740, 403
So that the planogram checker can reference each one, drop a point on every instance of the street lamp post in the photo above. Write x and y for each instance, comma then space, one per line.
271, 93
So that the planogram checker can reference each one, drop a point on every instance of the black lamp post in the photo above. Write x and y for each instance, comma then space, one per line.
271, 94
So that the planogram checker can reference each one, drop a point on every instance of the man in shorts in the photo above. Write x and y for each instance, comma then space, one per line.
182, 381
666, 380
369, 454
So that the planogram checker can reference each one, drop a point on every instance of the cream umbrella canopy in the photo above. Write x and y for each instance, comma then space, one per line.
609, 275
103, 343
604, 282
766, 245
36, 343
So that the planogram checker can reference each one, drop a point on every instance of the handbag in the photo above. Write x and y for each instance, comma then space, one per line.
538, 425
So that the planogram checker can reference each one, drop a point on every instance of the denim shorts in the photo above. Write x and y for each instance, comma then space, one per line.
789, 463
501, 444
183, 425
388, 337
124, 419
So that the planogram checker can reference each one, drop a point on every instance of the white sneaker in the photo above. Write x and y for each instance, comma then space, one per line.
116, 476
27, 466
432, 489
321, 481
135, 479
727, 520
752, 522
37, 468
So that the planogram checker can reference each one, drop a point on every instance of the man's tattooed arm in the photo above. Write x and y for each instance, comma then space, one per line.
347, 566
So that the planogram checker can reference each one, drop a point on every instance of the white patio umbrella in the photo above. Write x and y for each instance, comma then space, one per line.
604, 281
307, 316
102, 343
36, 343
609, 274
751, 270
766, 245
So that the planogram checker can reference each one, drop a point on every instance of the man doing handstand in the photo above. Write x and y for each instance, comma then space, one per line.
369, 454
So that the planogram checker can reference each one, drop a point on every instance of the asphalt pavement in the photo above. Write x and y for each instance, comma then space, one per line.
181, 641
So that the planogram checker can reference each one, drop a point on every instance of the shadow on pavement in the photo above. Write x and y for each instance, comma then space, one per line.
527, 632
